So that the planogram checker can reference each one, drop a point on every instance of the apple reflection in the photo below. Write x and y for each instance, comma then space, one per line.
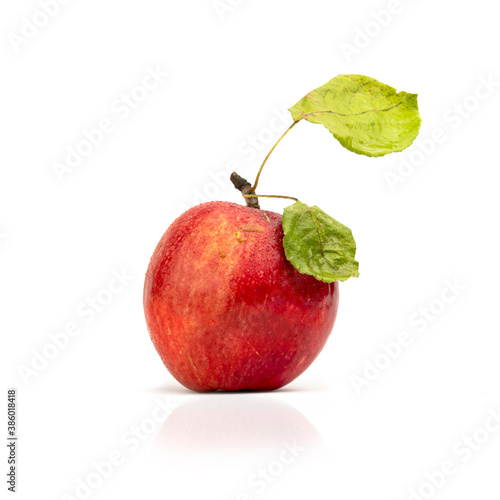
224, 429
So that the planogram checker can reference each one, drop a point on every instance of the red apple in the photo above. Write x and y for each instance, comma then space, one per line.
224, 307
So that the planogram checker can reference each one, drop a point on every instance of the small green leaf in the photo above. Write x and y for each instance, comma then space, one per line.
317, 244
364, 115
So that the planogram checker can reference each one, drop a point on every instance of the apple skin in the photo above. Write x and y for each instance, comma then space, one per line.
224, 307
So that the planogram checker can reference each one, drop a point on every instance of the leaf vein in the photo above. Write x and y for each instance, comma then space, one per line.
317, 225
352, 114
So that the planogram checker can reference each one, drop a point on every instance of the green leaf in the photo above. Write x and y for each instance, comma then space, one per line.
317, 244
364, 115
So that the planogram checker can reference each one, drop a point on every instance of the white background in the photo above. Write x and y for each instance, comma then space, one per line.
229, 73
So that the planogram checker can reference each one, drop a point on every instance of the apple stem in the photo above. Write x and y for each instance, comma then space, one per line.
244, 187
254, 187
